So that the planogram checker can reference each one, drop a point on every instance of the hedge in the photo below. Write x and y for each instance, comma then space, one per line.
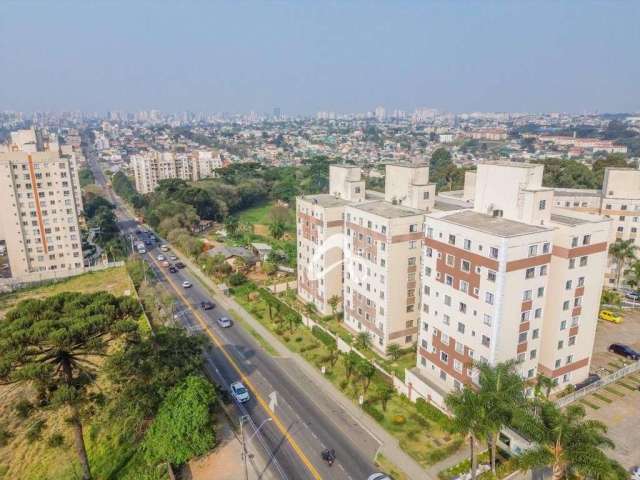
432, 413
323, 336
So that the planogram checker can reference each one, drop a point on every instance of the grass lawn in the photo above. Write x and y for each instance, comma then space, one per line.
421, 437
260, 215
114, 280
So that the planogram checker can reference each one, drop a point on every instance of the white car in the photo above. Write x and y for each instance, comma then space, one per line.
379, 476
173, 258
164, 248
635, 473
224, 322
160, 258
240, 392
186, 284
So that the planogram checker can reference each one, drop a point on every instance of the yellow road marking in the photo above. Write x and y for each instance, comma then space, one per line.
246, 381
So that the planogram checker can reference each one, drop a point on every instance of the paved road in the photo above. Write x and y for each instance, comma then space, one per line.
305, 420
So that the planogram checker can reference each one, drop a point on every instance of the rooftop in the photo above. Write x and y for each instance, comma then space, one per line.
325, 200
572, 221
576, 192
505, 163
387, 209
499, 226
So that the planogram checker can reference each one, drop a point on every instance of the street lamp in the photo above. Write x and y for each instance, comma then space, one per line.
243, 418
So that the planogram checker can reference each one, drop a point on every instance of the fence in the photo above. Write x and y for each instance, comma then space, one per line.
572, 397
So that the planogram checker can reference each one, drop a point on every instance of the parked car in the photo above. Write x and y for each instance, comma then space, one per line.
186, 284
165, 264
635, 473
609, 316
180, 265
207, 305
164, 248
224, 322
160, 258
379, 476
240, 392
592, 378
173, 269
173, 257
624, 350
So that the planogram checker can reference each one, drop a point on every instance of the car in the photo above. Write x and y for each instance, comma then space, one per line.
632, 295
635, 473
224, 322
186, 284
239, 392
160, 258
142, 251
173, 258
609, 316
378, 476
592, 378
624, 350
207, 305
173, 269
148, 243
165, 263
180, 265
164, 248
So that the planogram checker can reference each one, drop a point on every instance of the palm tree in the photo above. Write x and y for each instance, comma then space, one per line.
610, 297
231, 225
351, 360
366, 371
310, 309
333, 302
363, 340
469, 419
633, 275
566, 441
544, 384
622, 252
394, 351
384, 393
501, 392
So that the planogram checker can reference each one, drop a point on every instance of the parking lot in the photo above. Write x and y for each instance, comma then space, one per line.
618, 405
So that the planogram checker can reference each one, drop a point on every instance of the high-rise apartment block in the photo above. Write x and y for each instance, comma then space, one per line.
149, 168
40, 195
508, 280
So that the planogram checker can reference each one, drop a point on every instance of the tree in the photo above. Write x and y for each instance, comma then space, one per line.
278, 217
384, 393
333, 355
469, 419
363, 340
310, 309
53, 343
351, 360
394, 351
610, 298
183, 427
366, 371
544, 384
333, 302
566, 441
502, 393
292, 319
632, 275
622, 252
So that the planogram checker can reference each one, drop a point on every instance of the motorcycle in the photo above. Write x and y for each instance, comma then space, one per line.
329, 456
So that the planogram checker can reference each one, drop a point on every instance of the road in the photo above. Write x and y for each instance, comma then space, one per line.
304, 421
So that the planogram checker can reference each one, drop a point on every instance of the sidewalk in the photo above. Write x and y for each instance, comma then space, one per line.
390, 447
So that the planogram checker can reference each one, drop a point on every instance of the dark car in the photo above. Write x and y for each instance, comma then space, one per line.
624, 350
173, 269
593, 378
180, 265
207, 305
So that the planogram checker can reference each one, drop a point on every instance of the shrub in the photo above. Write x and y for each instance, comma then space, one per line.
323, 336
399, 420
344, 384
373, 411
5, 436
298, 339
56, 440
35, 431
236, 279
23, 408
432, 413
420, 420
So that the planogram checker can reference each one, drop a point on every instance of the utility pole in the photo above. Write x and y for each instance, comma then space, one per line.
244, 448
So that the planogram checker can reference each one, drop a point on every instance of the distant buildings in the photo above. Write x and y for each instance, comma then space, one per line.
591, 144
41, 199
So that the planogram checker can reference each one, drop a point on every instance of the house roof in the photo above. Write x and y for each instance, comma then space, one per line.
229, 252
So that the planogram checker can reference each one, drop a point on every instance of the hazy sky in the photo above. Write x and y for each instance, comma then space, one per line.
304, 56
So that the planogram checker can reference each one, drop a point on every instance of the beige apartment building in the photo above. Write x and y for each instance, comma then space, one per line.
149, 168
40, 194
507, 280
618, 200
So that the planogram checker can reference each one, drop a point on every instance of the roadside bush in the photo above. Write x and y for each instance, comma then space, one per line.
323, 336
344, 384
23, 408
377, 415
432, 413
56, 440
298, 339
399, 420
5, 436
35, 430
420, 420
236, 279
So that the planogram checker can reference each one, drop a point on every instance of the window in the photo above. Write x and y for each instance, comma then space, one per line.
543, 270
526, 295
535, 333
567, 285
530, 273
563, 324
572, 340
461, 327
467, 244
463, 307
533, 250
413, 227
486, 341
577, 302
427, 271
465, 266
538, 313
446, 319
522, 337
565, 305
586, 240
457, 365
560, 344
540, 292
572, 263
411, 261
447, 300
531, 373
520, 358
448, 280
487, 319
558, 363
583, 261
542, 204
581, 282
412, 244
533, 354
464, 286
452, 239
488, 298
569, 359
429, 252
493, 252
450, 260
524, 316
574, 241
491, 276
546, 247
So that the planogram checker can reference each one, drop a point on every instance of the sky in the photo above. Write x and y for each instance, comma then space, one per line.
307, 56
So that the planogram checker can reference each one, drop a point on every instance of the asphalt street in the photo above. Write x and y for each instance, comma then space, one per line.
304, 420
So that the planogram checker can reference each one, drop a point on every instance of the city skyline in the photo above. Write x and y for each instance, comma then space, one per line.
302, 58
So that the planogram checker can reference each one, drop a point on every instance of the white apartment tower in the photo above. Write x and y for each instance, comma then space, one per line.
40, 194
508, 280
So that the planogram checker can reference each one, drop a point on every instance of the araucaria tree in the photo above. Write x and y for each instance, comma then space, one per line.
53, 345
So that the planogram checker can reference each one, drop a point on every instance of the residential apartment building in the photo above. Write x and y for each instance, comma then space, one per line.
149, 168
40, 194
618, 200
507, 280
